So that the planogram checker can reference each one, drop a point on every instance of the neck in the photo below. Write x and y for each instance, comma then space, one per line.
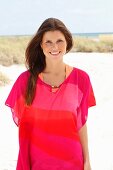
54, 68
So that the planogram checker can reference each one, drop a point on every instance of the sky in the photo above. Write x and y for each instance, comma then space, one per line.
23, 17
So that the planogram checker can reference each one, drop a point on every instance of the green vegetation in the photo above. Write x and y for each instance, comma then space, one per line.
102, 44
12, 49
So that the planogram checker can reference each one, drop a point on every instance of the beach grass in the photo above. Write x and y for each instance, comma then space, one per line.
3, 79
101, 44
12, 48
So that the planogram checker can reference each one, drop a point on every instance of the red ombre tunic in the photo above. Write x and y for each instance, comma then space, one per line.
48, 129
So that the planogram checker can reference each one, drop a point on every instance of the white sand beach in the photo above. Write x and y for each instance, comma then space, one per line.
99, 66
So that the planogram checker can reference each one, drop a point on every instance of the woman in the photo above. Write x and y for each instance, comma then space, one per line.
50, 103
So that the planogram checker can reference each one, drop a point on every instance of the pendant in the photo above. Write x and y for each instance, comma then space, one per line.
54, 88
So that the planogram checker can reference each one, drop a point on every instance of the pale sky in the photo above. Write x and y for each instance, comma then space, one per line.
80, 16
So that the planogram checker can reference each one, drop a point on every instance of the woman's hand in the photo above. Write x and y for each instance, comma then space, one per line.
87, 166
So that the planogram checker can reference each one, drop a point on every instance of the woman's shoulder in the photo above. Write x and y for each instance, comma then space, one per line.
80, 73
21, 80
24, 75
76, 69
76, 72
80, 76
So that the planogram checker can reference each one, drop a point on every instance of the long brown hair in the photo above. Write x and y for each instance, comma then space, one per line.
35, 58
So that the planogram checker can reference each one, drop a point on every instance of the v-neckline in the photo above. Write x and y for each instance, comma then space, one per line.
69, 70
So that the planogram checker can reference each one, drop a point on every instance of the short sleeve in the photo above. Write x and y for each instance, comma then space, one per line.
88, 100
15, 99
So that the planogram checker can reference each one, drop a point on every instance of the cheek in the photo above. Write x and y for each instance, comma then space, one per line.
44, 49
65, 47
45, 52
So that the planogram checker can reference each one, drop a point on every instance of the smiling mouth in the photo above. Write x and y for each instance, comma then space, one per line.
55, 53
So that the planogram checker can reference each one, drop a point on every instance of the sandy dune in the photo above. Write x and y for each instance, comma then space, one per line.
100, 121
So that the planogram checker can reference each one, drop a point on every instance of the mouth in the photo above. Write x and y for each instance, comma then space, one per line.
55, 53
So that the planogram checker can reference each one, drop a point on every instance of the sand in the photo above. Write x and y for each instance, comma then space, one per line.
100, 120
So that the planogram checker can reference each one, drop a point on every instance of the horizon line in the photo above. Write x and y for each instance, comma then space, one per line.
77, 33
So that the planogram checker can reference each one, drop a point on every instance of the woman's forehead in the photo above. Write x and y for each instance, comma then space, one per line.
53, 34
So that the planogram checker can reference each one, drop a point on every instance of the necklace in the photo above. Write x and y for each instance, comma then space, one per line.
55, 86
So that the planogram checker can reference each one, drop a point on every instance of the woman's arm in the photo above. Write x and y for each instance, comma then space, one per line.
84, 142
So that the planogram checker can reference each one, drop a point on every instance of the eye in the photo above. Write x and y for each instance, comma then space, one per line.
48, 42
60, 41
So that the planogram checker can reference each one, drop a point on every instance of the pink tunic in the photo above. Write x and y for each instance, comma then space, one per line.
48, 129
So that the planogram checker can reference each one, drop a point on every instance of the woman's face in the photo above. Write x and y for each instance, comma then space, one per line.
53, 44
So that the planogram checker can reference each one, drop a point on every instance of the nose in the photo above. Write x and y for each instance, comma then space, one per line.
54, 45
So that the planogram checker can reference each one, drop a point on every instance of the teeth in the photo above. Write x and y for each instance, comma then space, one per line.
54, 53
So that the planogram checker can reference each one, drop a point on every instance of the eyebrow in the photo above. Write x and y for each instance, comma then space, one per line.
60, 39
48, 41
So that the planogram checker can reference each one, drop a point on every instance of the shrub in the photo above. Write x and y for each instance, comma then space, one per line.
12, 49
82, 44
3, 79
